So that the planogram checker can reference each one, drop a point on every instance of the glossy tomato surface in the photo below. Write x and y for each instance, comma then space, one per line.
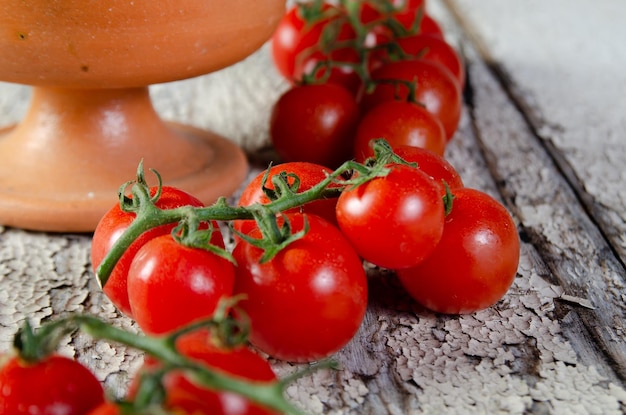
56, 385
393, 221
112, 226
399, 123
433, 48
182, 394
315, 123
476, 261
171, 285
308, 174
309, 300
294, 39
436, 89
437, 167
405, 11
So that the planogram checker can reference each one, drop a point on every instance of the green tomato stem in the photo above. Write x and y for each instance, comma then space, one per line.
35, 345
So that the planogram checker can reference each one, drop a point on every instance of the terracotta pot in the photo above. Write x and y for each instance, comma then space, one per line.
91, 119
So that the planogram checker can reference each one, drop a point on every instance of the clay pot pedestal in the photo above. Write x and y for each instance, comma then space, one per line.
91, 120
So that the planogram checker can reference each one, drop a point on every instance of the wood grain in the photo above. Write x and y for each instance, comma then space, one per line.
551, 151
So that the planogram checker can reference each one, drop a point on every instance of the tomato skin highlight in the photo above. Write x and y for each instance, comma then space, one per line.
430, 47
111, 227
315, 123
433, 165
307, 302
310, 174
293, 39
393, 221
436, 89
399, 123
475, 262
56, 385
171, 285
184, 395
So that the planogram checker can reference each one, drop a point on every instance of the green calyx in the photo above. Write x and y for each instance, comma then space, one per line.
270, 218
35, 345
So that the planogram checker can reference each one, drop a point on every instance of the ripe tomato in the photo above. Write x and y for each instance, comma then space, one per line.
474, 264
436, 88
309, 174
433, 165
315, 123
393, 221
405, 14
399, 123
430, 47
184, 395
106, 408
55, 385
171, 285
309, 300
342, 73
112, 226
294, 37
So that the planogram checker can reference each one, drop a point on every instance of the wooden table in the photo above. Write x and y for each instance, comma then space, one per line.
543, 130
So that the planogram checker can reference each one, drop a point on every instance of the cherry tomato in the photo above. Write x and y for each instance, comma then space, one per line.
382, 34
433, 165
106, 408
341, 73
393, 221
294, 37
475, 262
56, 385
436, 88
184, 395
406, 11
309, 300
430, 47
399, 123
309, 174
112, 226
171, 285
315, 123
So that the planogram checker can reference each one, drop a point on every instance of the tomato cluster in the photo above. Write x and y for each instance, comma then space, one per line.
361, 71
186, 372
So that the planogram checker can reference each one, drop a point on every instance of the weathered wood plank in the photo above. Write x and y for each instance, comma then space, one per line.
531, 353
562, 64
560, 227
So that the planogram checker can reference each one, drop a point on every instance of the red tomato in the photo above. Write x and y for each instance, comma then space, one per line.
433, 48
184, 395
309, 300
294, 38
171, 285
342, 73
56, 385
309, 174
406, 11
436, 88
433, 165
429, 26
399, 123
393, 221
106, 408
112, 226
476, 261
315, 123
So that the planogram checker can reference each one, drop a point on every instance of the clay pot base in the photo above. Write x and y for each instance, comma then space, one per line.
62, 166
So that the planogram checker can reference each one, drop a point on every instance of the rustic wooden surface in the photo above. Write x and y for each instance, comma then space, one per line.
543, 131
